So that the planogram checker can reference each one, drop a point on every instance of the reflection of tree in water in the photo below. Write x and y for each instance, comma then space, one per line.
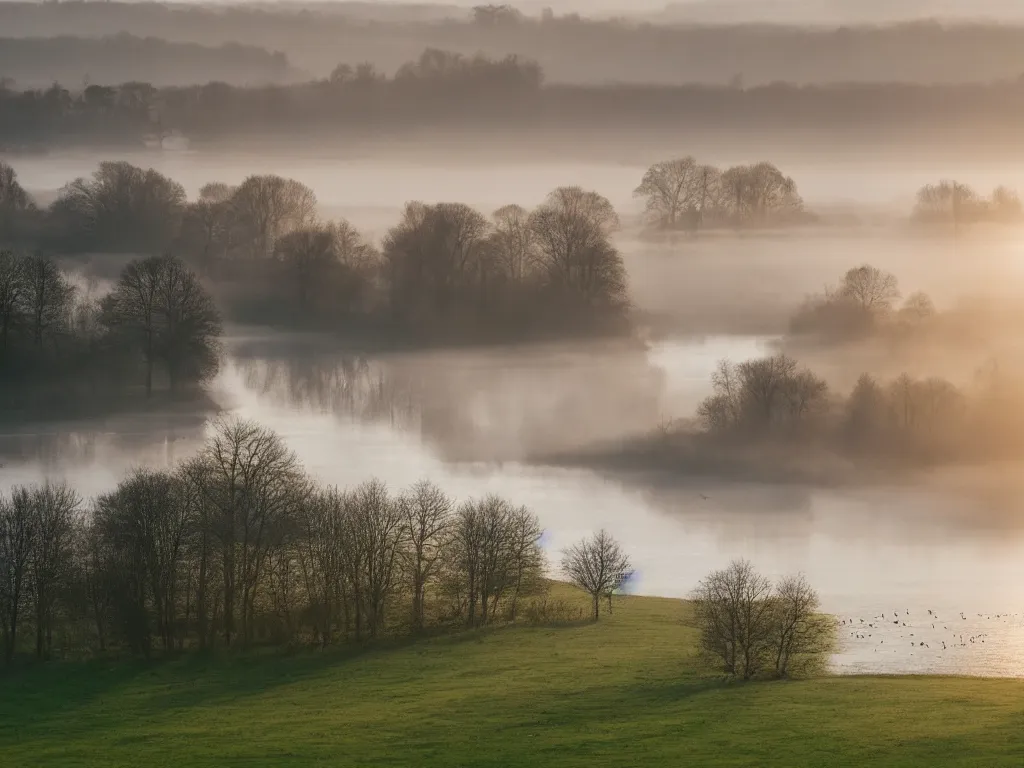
345, 385
151, 440
468, 405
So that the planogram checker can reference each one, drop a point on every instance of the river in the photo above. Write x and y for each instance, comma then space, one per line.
901, 552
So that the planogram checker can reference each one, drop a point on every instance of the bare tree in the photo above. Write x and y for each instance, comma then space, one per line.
433, 259
55, 508
190, 325
376, 538
797, 627
268, 207
763, 383
160, 303
515, 248
148, 518
734, 611
254, 487
124, 208
870, 288
133, 308
759, 193
598, 566
14, 203
48, 297
669, 189
14, 290
572, 230
947, 201
17, 542
427, 513
322, 559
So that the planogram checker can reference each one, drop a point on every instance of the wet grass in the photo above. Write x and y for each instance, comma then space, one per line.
629, 690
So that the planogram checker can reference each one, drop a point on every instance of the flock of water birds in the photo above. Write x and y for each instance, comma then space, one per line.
930, 633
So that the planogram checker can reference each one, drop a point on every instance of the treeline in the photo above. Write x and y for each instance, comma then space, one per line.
905, 421
444, 272
571, 48
685, 194
447, 91
78, 61
237, 546
955, 203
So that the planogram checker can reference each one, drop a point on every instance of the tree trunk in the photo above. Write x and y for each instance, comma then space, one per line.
597, 606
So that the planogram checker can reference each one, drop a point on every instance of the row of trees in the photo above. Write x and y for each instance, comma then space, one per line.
444, 269
447, 89
753, 627
685, 194
157, 319
904, 419
954, 203
435, 86
237, 546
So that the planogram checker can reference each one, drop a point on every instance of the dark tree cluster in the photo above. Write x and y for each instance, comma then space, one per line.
58, 338
237, 546
685, 194
904, 421
446, 91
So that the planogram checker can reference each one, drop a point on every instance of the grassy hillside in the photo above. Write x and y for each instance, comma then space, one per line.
628, 691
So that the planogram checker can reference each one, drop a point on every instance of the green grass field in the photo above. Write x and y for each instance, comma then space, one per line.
628, 691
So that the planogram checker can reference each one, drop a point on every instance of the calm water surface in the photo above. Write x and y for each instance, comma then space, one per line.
897, 552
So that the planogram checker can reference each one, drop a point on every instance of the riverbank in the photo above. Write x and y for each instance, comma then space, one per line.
630, 690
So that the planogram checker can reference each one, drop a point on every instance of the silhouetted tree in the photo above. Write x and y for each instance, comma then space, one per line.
427, 519
268, 207
598, 566
122, 208
160, 305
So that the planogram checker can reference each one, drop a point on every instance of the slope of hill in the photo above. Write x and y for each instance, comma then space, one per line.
626, 691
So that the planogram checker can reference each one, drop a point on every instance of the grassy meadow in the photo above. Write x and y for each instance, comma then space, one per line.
627, 691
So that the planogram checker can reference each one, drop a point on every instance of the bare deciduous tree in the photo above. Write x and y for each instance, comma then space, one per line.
598, 566
124, 208
55, 508
734, 613
669, 189
377, 538
48, 297
160, 302
572, 230
253, 485
268, 207
797, 627
14, 291
17, 542
427, 517
870, 288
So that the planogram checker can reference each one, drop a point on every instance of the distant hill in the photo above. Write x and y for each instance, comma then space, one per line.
834, 12
38, 62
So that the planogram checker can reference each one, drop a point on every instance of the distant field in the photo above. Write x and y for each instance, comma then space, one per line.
627, 691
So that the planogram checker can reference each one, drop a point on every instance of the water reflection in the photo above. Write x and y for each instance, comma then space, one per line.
467, 420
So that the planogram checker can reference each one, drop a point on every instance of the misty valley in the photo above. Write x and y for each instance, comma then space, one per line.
360, 360
718, 395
